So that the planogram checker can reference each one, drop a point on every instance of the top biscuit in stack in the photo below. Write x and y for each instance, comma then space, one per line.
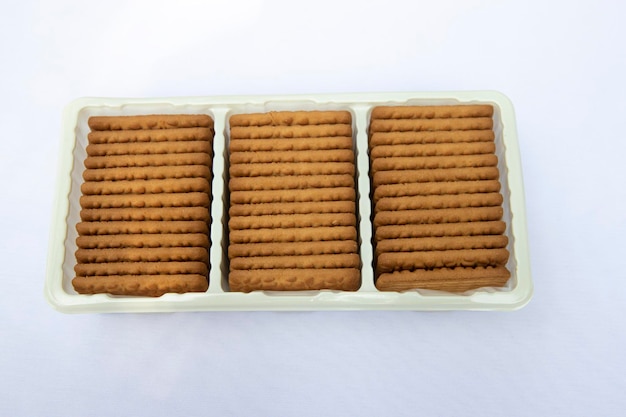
436, 197
292, 202
145, 205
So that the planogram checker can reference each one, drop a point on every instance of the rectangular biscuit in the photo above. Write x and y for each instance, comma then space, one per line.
145, 135
435, 175
303, 234
145, 200
291, 144
292, 220
141, 285
149, 148
122, 161
275, 132
438, 201
423, 137
170, 185
441, 243
290, 168
325, 261
325, 155
406, 189
418, 125
291, 118
148, 173
432, 112
290, 182
298, 279
433, 162
140, 268
433, 216
156, 240
151, 213
178, 254
293, 196
140, 227
433, 149
292, 208
450, 258
153, 121
292, 248
436, 230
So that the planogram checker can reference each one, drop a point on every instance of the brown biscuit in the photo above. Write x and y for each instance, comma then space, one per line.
327, 155
435, 230
275, 132
156, 135
283, 169
290, 182
147, 173
150, 148
438, 201
141, 214
435, 175
140, 268
430, 149
441, 243
291, 118
292, 208
444, 279
145, 200
432, 112
418, 125
122, 161
435, 188
397, 261
293, 144
433, 162
293, 196
305, 234
292, 248
139, 227
142, 241
341, 279
449, 215
153, 121
447, 136
292, 220
342, 260
170, 185
141, 285
197, 254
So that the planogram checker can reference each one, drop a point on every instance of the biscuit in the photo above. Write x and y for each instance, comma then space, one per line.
432, 112
141, 285
140, 268
142, 241
397, 261
290, 182
306, 234
444, 279
156, 135
447, 136
140, 214
293, 196
292, 208
291, 118
150, 148
342, 260
122, 161
328, 155
148, 173
284, 169
418, 125
434, 175
292, 248
448, 215
442, 243
435, 188
182, 254
436, 230
292, 220
146, 226
170, 185
153, 121
145, 200
433, 162
438, 201
293, 144
275, 132
430, 149
298, 279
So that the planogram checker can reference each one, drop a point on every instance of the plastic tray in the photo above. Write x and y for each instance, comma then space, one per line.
60, 294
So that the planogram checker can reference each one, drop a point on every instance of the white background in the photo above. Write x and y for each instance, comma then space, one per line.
561, 63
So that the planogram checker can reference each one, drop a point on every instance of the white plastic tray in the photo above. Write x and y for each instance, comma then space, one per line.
58, 288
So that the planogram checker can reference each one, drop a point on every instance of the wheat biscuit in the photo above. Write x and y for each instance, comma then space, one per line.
396, 261
424, 137
448, 215
145, 200
140, 214
275, 132
444, 279
139, 227
197, 254
170, 185
419, 202
291, 118
432, 112
122, 161
292, 248
441, 243
293, 144
433, 162
434, 175
327, 155
156, 135
342, 260
290, 182
435, 188
341, 279
284, 169
292, 208
430, 149
148, 173
142, 241
303, 234
153, 121
436, 230
419, 125
293, 196
292, 220
141, 285
149, 148
139, 268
